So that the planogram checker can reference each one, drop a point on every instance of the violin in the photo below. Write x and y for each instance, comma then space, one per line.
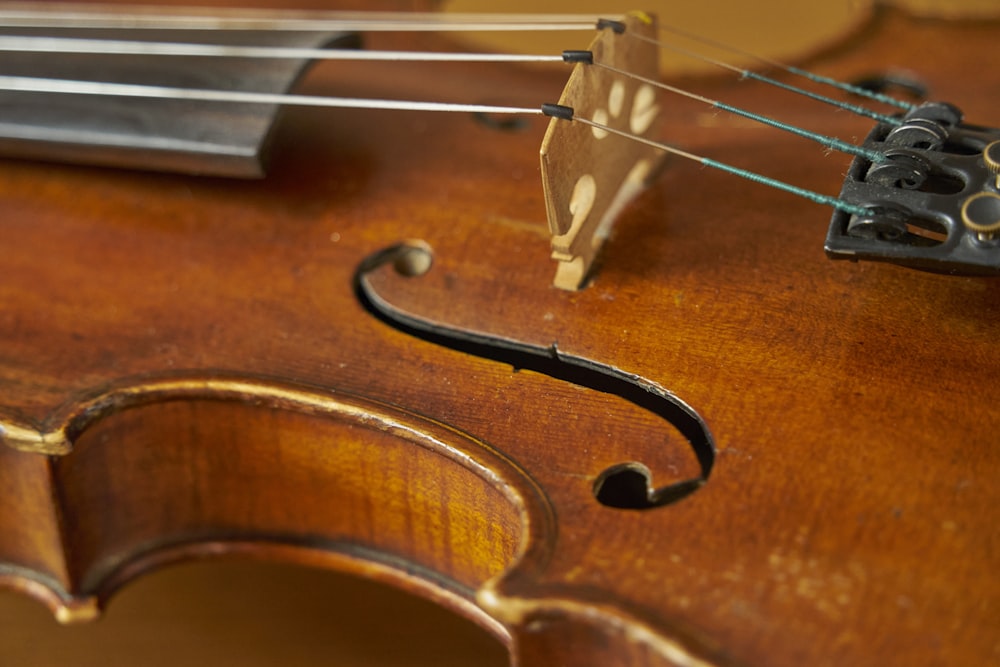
633, 416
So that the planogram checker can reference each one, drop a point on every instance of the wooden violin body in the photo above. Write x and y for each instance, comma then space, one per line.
188, 369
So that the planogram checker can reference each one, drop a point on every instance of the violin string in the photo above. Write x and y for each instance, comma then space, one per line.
32, 44
750, 74
143, 48
97, 16
107, 16
824, 140
76, 87
127, 47
66, 86
102, 88
35, 44
568, 114
811, 76
347, 21
33, 84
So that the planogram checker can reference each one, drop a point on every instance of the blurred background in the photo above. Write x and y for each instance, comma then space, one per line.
246, 614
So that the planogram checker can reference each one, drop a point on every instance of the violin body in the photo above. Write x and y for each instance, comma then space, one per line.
189, 369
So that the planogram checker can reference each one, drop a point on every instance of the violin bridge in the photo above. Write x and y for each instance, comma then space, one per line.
589, 175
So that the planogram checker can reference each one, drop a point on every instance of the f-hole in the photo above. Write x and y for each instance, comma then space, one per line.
629, 486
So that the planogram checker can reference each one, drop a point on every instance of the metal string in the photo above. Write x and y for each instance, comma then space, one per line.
33, 84
822, 139
26, 15
819, 198
73, 87
749, 74
289, 22
122, 47
143, 48
811, 76
34, 44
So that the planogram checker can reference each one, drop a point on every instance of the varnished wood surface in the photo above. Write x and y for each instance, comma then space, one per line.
222, 391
